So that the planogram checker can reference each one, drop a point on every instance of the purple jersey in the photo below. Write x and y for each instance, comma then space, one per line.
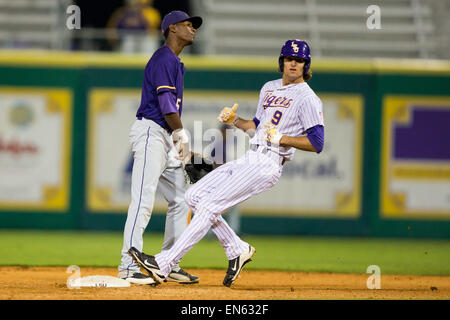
164, 73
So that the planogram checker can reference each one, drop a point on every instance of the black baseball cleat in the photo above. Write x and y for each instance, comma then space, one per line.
182, 277
140, 278
148, 263
236, 265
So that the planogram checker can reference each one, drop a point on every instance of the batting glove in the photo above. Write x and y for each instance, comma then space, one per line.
181, 143
228, 115
272, 134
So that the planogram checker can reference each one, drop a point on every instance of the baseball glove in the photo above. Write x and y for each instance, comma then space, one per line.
197, 167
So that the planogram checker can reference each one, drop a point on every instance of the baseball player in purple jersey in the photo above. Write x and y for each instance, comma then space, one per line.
288, 117
159, 144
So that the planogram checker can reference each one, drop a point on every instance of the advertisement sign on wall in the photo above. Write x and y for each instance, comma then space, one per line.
415, 181
35, 144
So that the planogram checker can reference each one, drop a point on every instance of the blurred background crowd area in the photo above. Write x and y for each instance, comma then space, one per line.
409, 28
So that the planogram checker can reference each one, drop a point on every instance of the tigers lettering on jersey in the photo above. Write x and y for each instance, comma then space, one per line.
274, 101
292, 108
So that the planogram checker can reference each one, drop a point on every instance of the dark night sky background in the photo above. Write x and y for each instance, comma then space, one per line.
95, 14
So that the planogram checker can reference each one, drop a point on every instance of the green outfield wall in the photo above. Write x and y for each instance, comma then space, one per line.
400, 176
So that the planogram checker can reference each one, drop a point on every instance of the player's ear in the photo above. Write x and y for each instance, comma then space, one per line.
172, 28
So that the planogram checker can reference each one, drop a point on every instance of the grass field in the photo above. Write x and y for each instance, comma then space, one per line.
307, 254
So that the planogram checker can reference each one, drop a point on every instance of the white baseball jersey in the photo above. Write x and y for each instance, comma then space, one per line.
292, 109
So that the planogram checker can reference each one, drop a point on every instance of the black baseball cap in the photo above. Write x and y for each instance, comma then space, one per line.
179, 16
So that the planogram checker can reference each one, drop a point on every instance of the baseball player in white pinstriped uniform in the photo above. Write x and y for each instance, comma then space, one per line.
288, 117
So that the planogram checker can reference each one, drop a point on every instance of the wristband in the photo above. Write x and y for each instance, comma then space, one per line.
180, 134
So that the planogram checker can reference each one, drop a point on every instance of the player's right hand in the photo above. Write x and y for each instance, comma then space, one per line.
183, 151
181, 143
228, 115
273, 136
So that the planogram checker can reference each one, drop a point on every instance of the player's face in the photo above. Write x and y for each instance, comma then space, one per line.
185, 31
293, 69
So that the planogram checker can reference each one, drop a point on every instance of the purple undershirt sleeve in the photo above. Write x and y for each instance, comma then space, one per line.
316, 137
256, 121
167, 102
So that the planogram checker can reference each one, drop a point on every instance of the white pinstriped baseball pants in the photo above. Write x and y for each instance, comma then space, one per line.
221, 189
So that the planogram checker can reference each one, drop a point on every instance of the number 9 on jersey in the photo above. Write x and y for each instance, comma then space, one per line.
277, 117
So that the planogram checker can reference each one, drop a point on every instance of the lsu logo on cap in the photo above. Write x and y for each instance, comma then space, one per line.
294, 47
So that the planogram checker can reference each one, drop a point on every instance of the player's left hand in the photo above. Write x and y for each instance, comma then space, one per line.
272, 134
228, 115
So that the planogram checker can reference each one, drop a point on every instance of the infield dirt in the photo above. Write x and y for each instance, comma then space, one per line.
49, 283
